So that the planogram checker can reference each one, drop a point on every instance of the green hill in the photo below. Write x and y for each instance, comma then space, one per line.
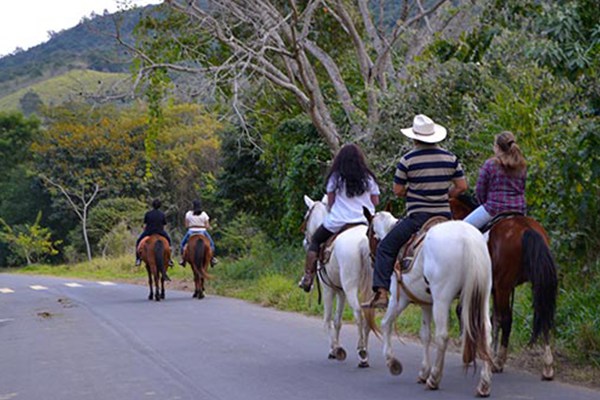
89, 45
75, 84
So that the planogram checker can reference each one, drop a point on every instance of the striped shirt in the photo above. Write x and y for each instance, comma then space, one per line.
428, 171
500, 192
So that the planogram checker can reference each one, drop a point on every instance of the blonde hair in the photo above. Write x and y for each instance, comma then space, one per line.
508, 153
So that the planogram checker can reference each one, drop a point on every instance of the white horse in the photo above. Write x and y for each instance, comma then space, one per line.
453, 261
347, 276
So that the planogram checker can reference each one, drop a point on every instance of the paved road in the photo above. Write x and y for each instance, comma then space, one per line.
74, 339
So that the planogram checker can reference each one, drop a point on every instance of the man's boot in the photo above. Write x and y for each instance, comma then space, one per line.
379, 300
309, 271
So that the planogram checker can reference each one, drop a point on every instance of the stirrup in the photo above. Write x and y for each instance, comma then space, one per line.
380, 300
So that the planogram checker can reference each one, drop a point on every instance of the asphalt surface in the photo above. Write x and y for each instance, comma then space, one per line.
75, 339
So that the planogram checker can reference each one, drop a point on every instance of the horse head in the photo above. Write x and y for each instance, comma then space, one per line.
380, 224
314, 217
462, 205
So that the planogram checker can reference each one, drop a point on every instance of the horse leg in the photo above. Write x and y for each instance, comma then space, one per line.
196, 281
441, 309
548, 368
328, 319
339, 352
151, 295
425, 336
503, 311
201, 291
362, 326
162, 286
388, 323
156, 285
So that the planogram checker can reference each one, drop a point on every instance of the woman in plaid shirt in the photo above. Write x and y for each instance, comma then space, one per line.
501, 182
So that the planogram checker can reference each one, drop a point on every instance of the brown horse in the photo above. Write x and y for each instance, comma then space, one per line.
520, 252
154, 250
198, 253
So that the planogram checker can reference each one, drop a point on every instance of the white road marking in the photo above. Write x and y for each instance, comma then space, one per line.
106, 283
6, 320
38, 287
6, 290
73, 284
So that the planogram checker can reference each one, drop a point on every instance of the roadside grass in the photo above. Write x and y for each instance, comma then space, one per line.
269, 276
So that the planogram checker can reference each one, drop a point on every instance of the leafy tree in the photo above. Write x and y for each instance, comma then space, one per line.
335, 58
187, 158
111, 214
32, 242
16, 133
81, 159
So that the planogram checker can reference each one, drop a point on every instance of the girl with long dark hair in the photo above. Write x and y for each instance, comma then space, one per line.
350, 186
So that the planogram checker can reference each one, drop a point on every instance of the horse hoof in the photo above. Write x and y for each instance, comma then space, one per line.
150, 297
331, 356
340, 354
200, 296
395, 367
497, 369
195, 295
483, 391
363, 355
162, 296
363, 364
431, 385
548, 375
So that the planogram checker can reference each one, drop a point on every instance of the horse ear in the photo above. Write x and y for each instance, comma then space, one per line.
308, 201
388, 207
367, 215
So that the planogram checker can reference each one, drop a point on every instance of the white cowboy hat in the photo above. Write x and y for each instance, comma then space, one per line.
425, 130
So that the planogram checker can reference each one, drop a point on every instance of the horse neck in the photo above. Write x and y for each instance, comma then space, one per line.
386, 222
317, 217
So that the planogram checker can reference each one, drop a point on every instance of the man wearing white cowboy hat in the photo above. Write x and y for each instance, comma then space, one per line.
427, 176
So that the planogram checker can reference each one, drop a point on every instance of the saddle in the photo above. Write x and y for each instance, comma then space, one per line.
325, 249
498, 218
406, 256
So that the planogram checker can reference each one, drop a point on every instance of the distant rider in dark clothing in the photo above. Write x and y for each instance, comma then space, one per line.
154, 223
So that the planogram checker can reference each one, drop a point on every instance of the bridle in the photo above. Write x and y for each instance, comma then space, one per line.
303, 227
373, 242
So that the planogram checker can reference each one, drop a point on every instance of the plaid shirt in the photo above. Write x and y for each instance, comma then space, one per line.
500, 192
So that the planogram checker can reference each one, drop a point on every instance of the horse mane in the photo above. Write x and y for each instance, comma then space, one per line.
468, 199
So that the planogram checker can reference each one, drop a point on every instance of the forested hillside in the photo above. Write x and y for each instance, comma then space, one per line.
89, 45
271, 96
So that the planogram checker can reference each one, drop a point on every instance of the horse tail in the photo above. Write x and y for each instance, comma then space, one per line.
159, 249
540, 268
202, 258
475, 301
365, 288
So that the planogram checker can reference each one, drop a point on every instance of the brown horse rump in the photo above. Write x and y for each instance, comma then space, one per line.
500, 217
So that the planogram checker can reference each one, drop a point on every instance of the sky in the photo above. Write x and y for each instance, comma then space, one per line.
26, 23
